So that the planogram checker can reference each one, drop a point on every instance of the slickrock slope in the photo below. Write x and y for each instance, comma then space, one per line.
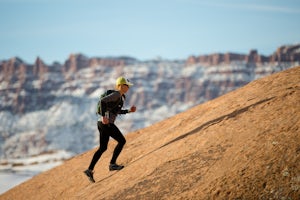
243, 145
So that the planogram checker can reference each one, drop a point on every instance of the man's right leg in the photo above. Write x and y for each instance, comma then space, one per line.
103, 139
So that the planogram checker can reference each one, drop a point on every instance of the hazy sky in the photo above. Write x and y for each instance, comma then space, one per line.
144, 29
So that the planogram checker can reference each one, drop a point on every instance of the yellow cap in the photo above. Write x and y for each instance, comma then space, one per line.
123, 81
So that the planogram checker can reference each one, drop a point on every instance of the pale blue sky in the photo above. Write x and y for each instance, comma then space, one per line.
144, 29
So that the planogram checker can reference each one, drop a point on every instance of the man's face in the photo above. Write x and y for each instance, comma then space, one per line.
124, 88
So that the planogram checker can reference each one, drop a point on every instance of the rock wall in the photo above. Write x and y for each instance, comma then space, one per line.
283, 54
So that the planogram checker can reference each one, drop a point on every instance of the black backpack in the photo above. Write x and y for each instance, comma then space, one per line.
111, 106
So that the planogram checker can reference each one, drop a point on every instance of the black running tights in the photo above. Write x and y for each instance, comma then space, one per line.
107, 131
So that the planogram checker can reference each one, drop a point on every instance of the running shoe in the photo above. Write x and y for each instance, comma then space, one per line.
115, 167
89, 173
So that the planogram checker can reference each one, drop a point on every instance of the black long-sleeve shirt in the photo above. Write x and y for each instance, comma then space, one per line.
113, 103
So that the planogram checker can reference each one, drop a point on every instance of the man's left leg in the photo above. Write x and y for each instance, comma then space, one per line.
118, 136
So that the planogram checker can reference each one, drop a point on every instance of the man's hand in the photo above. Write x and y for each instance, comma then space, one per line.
105, 120
132, 109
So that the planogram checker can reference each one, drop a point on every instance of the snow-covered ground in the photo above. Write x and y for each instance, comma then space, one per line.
9, 180
16, 171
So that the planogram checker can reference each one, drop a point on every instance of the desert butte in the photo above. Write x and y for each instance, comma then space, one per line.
242, 145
